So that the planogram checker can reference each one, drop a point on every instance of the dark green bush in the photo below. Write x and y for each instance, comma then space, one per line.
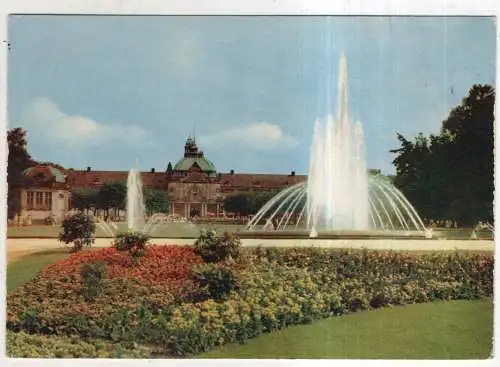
134, 242
213, 248
217, 280
78, 229
93, 279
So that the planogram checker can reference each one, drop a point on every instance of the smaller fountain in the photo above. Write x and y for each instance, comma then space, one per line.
314, 233
136, 210
480, 226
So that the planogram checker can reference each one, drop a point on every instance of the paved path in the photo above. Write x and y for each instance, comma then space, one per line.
31, 245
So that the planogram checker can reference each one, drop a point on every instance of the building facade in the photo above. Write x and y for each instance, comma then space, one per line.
194, 186
45, 196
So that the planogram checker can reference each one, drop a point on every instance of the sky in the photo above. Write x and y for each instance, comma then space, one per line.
103, 91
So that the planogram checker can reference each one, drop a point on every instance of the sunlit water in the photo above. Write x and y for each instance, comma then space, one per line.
339, 193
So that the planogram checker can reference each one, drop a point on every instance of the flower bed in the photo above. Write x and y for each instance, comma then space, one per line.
277, 288
160, 264
22, 345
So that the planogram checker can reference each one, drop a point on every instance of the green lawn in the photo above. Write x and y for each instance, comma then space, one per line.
27, 267
445, 330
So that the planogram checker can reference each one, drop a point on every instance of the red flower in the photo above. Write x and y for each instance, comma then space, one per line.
166, 265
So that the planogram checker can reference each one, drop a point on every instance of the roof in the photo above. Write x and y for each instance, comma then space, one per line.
47, 170
92, 179
245, 181
187, 162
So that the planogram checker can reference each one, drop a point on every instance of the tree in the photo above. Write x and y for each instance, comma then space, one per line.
78, 229
247, 203
259, 199
112, 195
156, 201
238, 203
18, 160
84, 199
450, 175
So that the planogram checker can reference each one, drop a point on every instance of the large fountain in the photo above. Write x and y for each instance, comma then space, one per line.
340, 196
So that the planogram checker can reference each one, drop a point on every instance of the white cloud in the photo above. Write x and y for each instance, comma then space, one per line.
47, 119
258, 136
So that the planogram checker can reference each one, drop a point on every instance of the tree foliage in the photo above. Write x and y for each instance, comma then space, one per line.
156, 201
84, 199
247, 203
78, 229
18, 160
113, 196
450, 175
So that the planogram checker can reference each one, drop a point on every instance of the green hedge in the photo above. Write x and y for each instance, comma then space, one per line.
277, 289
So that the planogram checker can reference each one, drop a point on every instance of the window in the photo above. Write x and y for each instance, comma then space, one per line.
39, 200
48, 199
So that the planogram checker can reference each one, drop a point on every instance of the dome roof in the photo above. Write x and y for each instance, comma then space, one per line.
192, 155
46, 170
187, 162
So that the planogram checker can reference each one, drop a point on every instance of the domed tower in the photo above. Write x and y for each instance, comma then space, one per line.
193, 184
193, 157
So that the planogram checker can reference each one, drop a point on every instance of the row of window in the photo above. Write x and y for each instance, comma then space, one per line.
39, 200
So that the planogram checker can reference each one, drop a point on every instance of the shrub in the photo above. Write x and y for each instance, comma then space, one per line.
213, 248
93, 279
22, 345
78, 229
218, 280
133, 242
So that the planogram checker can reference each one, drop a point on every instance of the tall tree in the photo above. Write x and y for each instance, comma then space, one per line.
18, 160
450, 175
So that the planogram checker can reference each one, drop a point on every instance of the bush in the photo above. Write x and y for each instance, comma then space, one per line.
22, 345
218, 280
78, 229
93, 279
213, 248
133, 242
